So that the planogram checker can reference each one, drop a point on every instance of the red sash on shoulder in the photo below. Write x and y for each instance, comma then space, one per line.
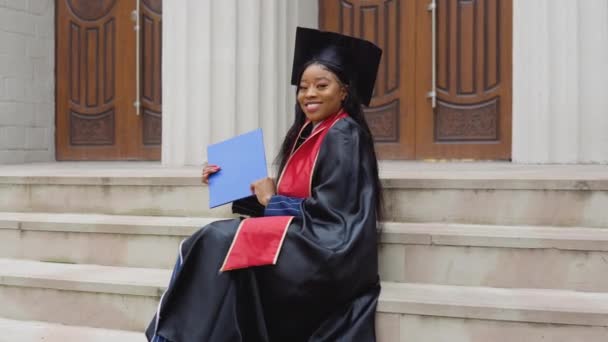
296, 179
258, 240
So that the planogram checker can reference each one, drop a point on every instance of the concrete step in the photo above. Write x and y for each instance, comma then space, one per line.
126, 191
33, 331
113, 240
80, 295
497, 256
450, 254
483, 193
439, 313
125, 298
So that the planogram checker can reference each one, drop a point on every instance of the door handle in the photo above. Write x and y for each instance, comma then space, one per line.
136, 17
432, 7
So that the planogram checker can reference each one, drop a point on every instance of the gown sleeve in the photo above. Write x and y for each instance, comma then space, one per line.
337, 227
248, 206
284, 206
277, 206
340, 213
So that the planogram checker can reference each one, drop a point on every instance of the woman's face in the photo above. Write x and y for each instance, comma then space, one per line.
320, 93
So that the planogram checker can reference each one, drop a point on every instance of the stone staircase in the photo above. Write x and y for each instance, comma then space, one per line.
469, 252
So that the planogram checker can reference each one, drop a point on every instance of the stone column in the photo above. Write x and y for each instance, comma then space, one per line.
226, 70
560, 73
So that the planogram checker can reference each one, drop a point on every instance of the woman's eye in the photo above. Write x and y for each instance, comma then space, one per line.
322, 86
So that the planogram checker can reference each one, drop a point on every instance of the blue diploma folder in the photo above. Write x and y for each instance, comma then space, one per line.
242, 161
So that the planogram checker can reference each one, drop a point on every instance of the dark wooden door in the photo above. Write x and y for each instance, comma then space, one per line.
96, 81
472, 118
151, 81
391, 25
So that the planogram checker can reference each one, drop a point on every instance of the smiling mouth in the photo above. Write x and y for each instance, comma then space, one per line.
312, 106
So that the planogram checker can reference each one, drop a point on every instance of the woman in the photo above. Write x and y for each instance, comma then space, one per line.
324, 284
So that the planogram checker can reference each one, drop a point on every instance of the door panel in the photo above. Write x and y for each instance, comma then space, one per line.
86, 71
472, 118
390, 24
95, 92
151, 96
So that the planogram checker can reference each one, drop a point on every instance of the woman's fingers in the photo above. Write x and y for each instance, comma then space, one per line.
263, 189
208, 170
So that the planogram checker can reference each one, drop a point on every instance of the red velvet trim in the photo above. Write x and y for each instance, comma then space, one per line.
296, 179
257, 242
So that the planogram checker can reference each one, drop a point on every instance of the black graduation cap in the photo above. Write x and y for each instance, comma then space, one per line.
359, 58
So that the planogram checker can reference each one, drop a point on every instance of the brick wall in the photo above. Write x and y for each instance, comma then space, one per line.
27, 83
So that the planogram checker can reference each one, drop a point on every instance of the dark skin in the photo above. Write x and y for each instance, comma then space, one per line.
320, 94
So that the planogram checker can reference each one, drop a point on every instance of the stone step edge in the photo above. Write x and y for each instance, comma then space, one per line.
419, 182
83, 277
498, 304
448, 234
103, 223
15, 330
501, 236
520, 305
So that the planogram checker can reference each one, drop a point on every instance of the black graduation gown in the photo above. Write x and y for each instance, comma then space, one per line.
325, 284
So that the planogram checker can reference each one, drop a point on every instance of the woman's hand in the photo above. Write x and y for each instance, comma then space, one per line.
207, 171
263, 189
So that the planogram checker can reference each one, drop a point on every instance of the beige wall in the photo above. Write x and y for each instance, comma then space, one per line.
27, 83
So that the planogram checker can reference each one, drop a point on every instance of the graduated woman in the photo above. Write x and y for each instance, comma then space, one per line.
304, 268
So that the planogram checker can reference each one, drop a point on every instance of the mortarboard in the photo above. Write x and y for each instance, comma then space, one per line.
359, 58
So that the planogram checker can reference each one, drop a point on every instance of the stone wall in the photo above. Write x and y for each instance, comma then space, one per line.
27, 84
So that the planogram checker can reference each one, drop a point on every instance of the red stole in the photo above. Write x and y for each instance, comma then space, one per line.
258, 240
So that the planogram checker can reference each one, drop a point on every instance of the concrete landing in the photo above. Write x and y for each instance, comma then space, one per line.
393, 174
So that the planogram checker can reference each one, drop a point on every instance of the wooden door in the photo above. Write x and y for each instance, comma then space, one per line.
391, 25
151, 81
472, 118
96, 81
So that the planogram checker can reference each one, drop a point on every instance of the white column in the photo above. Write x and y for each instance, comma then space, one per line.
530, 94
593, 18
226, 70
560, 66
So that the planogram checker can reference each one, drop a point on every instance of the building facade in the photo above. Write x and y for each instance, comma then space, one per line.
514, 80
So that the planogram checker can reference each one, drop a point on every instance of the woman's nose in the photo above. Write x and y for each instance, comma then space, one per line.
310, 92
